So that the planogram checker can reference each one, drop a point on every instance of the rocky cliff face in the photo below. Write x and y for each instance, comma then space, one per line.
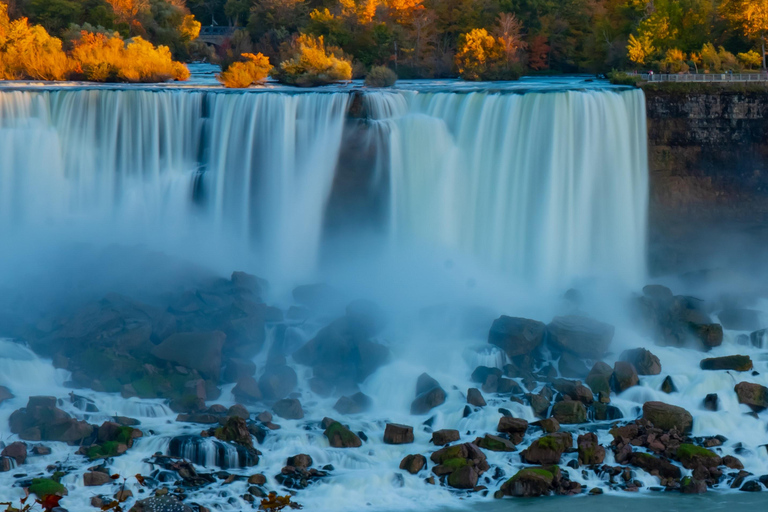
708, 159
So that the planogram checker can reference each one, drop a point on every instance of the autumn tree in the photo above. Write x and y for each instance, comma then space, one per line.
751, 16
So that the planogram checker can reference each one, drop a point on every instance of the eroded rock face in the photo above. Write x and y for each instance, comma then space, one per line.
199, 351
678, 321
581, 336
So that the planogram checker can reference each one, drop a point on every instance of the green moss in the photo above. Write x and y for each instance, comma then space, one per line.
104, 450
124, 435
684, 88
455, 463
347, 437
451, 452
42, 487
57, 476
493, 445
550, 443
531, 471
689, 451
622, 78
686, 481
644, 456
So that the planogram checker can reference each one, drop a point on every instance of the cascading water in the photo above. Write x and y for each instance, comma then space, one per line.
542, 187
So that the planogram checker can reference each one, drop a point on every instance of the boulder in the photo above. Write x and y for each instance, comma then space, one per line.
94, 478
540, 404
354, 404
495, 443
42, 420
739, 319
624, 376
342, 354
753, 395
643, 360
547, 449
445, 436
569, 412
690, 485
166, 503
581, 336
277, 382
668, 386
5, 394
199, 351
516, 336
590, 451
574, 390
481, 374
692, 456
398, 434
599, 378
235, 369
235, 430
572, 367
340, 436
531, 482
429, 395
758, 339
475, 397
514, 427
300, 461
655, 465
413, 463
667, 417
247, 390
457, 461
735, 363
289, 409
710, 402
16, 451
548, 425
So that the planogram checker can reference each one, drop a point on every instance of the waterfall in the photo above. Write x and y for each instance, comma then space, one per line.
543, 187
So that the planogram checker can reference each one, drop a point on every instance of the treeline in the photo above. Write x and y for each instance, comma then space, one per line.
497, 38
162, 22
86, 52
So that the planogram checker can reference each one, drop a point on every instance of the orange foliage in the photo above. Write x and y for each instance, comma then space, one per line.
102, 58
29, 52
239, 75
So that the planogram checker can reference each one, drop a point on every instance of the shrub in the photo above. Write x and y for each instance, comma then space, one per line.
709, 58
312, 64
674, 62
622, 78
254, 69
750, 60
380, 76
728, 61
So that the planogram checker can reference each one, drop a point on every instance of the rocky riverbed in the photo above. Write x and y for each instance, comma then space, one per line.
208, 397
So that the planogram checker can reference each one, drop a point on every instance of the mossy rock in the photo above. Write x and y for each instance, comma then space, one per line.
455, 463
42, 487
691, 456
104, 451
340, 436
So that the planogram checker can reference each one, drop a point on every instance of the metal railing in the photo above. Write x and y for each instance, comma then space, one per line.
711, 77
216, 31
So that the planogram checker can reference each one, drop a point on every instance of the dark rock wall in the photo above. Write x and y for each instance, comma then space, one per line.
708, 162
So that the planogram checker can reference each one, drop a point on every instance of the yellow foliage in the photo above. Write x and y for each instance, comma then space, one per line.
239, 75
674, 62
190, 28
101, 58
750, 59
640, 49
28, 51
312, 64
750, 15
480, 56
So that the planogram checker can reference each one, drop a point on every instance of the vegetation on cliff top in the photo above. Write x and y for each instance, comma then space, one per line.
29, 52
